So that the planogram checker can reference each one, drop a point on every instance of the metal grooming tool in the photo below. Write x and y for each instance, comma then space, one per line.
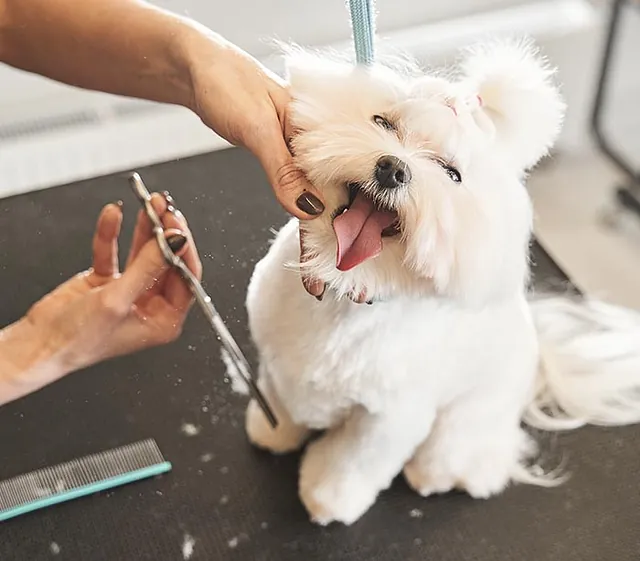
80, 478
202, 298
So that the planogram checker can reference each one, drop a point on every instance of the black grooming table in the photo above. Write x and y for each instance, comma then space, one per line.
236, 502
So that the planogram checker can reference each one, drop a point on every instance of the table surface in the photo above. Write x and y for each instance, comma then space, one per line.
237, 502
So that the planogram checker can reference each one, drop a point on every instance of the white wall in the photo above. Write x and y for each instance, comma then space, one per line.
315, 22
252, 23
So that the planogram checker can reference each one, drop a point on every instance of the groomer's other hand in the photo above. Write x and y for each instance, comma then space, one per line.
247, 105
102, 313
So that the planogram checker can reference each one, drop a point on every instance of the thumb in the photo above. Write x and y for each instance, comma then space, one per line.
291, 187
147, 268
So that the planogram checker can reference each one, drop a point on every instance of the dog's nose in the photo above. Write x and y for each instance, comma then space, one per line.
392, 172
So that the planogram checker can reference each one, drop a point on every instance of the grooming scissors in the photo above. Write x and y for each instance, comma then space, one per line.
202, 298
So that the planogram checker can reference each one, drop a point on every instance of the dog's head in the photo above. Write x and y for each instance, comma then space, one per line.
422, 175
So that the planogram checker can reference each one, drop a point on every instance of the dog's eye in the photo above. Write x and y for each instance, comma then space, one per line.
452, 172
382, 122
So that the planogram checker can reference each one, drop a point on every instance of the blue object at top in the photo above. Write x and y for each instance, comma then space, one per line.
363, 25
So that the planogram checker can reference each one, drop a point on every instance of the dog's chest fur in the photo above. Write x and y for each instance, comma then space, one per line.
324, 358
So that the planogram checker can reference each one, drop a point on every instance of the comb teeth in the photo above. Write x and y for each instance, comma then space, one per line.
89, 474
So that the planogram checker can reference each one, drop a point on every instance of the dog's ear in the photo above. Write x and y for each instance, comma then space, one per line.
515, 90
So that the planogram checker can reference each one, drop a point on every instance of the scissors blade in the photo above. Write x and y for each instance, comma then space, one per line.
203, 299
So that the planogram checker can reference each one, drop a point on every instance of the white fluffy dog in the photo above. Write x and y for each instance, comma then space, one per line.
428, 216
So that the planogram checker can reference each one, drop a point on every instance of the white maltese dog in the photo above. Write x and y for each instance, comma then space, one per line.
427, 216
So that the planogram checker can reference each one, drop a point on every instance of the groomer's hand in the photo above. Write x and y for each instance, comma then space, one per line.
247, 105
102, 313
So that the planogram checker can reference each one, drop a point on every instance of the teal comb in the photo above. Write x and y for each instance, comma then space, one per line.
78, 478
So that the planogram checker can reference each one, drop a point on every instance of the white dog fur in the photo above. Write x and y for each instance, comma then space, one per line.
436, 376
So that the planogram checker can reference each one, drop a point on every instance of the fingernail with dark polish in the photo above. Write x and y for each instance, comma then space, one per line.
176, 242
310, 204
369, 302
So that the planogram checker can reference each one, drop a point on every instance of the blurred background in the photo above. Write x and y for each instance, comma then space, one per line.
52, 135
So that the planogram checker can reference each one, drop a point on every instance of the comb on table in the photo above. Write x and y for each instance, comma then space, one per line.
81, 477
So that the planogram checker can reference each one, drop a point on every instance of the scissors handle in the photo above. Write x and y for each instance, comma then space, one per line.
202, 298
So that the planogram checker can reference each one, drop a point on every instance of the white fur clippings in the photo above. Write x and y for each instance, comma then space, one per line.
188, 546
436, 377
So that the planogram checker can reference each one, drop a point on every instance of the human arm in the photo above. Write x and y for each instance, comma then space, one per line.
131, 48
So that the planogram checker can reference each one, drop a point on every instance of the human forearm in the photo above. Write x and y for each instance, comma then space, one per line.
25, 365
125, 47
130, 48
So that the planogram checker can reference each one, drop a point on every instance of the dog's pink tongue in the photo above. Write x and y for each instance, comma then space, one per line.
359, 232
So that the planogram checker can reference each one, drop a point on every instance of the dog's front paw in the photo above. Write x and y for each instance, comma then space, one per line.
331, 493
427, 482
286, 437
488, 478
482, 478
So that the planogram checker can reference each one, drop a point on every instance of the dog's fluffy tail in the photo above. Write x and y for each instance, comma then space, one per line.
590, 365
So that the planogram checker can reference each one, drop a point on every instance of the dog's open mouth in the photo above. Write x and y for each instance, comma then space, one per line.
360, 227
